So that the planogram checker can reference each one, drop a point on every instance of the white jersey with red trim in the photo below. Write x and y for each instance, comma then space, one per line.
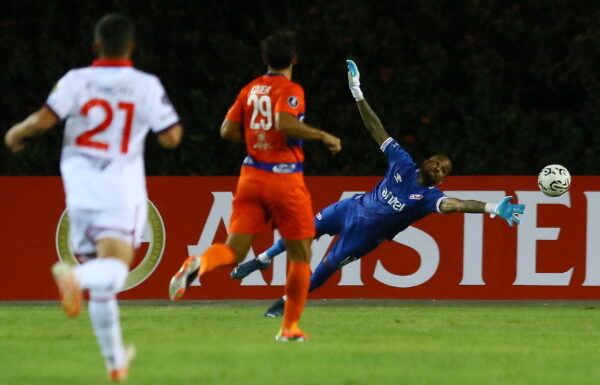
109, 109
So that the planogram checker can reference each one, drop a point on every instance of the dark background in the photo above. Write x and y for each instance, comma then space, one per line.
502, 87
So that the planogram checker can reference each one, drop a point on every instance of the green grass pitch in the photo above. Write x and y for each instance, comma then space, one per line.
353, 343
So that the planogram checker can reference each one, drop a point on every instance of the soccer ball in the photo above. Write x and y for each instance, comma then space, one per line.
554, 180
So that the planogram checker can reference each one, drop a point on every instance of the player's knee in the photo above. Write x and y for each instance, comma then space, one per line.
115, 248
239, 244
299, 251
300, 258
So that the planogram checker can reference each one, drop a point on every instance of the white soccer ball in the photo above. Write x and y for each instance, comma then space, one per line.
554, 180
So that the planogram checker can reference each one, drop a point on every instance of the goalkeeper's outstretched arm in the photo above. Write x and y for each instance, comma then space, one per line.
506, 210
369, 118
372, 122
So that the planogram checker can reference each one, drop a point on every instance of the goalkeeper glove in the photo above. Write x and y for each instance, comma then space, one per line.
506, 210
354, 80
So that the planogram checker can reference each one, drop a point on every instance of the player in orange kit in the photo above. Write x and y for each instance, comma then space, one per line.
268, 114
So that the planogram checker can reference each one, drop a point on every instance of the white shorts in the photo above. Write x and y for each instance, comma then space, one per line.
87, 226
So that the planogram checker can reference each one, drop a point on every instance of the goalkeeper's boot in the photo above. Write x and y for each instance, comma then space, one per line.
276, 310
70, 293
291, 335
120, 375
184, 277
243, 270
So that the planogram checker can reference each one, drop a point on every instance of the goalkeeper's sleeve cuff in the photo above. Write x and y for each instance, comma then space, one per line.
491, 208
357, 93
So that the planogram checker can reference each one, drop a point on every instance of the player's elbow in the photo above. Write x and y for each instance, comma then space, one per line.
450, 205
231, 130
171, 137
228, 134
42, 120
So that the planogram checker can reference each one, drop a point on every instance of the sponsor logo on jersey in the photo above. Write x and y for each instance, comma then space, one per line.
416, 196
284, 168
156, 246
293, 101
392, 200
96, 162
398, 178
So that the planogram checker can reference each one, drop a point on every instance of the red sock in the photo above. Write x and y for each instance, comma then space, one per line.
296, 290
215, 256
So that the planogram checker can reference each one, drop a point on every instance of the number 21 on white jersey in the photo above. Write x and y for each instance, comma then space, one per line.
87, 139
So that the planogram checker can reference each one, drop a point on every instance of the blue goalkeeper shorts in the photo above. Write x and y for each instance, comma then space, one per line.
356, 228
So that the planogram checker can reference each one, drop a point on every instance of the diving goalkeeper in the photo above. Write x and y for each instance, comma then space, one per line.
406, 194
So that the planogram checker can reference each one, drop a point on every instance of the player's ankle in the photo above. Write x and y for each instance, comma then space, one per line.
263, 257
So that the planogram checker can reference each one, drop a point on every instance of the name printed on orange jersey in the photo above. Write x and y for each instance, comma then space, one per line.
260, 90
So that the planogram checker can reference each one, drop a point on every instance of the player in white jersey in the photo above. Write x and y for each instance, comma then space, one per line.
109, 109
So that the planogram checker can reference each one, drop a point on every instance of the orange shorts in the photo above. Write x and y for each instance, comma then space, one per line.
263, 196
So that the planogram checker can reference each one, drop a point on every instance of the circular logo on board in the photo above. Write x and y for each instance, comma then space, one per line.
155, 230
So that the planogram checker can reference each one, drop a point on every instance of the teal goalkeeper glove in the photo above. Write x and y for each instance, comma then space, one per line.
354, 80
506, 210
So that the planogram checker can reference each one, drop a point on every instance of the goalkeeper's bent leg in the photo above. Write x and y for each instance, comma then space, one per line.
320, 276
277, 248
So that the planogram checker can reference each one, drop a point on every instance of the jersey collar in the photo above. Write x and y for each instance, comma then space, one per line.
274, 74
112, 63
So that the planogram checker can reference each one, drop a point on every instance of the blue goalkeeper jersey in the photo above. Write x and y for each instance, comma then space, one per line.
398, 200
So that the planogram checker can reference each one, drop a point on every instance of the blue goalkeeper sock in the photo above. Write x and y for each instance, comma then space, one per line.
320, 276
273, 251
277, 248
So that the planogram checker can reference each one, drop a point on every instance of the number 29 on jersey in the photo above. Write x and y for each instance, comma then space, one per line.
262, 113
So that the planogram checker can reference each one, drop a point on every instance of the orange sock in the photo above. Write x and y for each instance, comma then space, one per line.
296, 290
215, 256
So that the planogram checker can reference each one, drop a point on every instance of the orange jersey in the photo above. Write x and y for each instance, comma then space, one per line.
271, 185
255, 108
